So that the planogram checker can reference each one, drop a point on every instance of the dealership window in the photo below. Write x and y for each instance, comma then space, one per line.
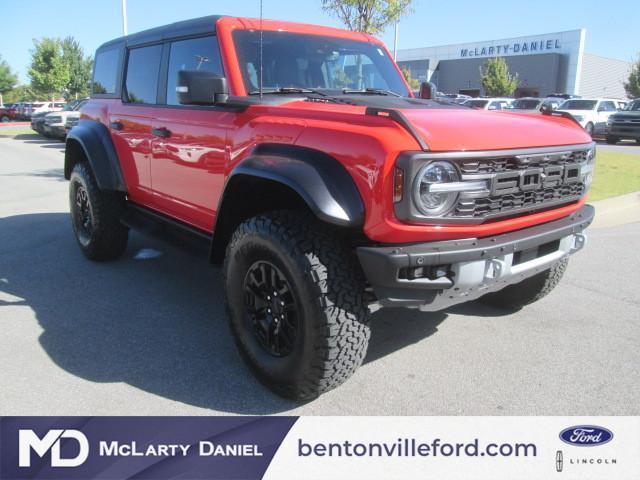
142, 74
193, 54
105, 71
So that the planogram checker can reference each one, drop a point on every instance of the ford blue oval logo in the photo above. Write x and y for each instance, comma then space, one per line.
586, 435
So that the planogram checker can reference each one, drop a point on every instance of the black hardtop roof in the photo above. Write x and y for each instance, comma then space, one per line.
194, 26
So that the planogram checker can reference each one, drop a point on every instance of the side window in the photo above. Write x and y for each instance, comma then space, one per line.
609, 106
105, 71
193, 54
142, 74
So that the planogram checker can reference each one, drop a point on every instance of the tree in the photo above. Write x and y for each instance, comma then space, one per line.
632, 86
8, 79
368, 16
49, 72
79, 68
22, 93
414, 83
496, 79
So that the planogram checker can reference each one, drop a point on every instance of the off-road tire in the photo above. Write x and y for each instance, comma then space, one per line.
528, 291
106, 239
612, 140
327, 283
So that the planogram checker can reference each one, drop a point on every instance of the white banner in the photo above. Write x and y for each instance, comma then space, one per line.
460, 448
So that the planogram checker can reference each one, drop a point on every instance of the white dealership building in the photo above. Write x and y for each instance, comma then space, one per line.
545, 63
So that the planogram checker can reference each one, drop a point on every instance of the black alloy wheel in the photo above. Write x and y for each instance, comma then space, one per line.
270, 308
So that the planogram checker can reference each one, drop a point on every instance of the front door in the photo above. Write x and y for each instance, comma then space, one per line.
189, 147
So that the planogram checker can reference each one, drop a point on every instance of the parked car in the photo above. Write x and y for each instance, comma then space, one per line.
454, 97
55, 122
591, 113
37, 122
488, 103
625, 124
564, 96
534, 104
32, 108
322, 191
72, 120
7, 113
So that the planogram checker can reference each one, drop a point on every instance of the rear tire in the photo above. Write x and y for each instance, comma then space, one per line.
528, 291
95, 216
5, 119
316, 334
612, 140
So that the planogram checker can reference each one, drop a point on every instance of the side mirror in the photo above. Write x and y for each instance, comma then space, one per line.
199, 87
427, 90
546, 108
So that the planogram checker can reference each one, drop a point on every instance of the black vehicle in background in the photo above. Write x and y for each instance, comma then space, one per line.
625, 124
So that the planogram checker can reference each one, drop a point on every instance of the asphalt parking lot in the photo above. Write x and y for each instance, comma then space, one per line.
147, 334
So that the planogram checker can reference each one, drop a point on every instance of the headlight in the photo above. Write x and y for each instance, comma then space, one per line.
428, 200
609, 121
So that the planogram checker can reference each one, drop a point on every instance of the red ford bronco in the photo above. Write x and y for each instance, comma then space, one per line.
322, 184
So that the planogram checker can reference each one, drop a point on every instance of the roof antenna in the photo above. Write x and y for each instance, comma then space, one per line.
260, 80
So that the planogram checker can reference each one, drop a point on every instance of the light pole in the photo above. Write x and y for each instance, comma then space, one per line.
395, 42
124, 17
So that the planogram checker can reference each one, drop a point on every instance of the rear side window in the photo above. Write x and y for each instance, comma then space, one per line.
105, 71
193, 54
143, 67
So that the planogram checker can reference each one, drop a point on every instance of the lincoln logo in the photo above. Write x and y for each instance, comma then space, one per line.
586, 436
28, 440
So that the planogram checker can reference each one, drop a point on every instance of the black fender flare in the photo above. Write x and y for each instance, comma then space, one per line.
319, 179
95, 141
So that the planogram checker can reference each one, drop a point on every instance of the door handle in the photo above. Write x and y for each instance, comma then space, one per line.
116, 125
161, 132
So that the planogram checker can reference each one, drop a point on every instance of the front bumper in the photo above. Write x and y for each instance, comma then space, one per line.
436, 275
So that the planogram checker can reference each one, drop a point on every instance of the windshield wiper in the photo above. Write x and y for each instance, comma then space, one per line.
370, 91
286, 90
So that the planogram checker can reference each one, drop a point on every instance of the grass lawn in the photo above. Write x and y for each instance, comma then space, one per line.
616, 173
12, 132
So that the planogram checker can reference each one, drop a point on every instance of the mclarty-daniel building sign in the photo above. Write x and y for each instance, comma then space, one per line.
567, 47
512, 48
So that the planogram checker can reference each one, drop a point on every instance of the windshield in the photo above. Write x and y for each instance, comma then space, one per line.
292, 60
476, 103
525, 104
579, 105
633, 106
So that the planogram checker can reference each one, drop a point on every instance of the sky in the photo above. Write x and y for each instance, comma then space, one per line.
612, 29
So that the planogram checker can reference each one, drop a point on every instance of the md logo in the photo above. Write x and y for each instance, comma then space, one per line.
28, 440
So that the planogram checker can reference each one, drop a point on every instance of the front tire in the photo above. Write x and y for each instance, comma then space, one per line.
529, 290
5, 119
295, 303
95, 216
589, 128
612, 140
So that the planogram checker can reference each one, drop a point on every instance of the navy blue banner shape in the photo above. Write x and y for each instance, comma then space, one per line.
139, 447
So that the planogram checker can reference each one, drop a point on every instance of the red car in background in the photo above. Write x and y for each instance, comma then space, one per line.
7, 113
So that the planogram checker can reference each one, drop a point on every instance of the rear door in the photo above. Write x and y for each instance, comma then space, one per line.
189, 147
130, 121
605, 109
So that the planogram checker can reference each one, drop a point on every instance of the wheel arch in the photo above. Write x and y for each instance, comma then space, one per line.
286, 177
91, 141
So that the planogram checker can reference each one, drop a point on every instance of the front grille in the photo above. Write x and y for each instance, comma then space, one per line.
520, 162
526, 181
502, 204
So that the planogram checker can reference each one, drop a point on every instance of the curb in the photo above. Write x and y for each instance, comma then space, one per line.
615, 211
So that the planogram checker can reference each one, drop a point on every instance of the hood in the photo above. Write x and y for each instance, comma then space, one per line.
467, 129
626, 114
